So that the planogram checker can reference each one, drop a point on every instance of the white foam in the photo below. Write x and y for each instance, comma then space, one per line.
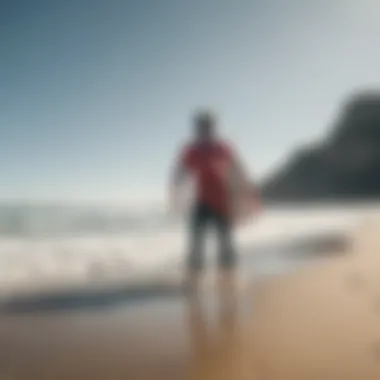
31, 261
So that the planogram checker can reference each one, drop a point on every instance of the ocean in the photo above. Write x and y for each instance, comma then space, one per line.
45, 245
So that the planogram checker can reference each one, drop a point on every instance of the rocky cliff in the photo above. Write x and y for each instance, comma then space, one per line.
345, 165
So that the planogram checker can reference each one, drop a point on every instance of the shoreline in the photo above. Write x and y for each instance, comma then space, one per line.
317, 322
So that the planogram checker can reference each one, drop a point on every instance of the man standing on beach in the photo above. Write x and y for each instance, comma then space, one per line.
212, 163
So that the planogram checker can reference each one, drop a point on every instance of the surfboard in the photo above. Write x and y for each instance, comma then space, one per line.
245, 202
244, 197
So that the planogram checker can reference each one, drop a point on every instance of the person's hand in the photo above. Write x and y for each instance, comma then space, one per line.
174, 202
246, 210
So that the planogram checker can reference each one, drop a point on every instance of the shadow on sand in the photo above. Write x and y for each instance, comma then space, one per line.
90, 299
316, 244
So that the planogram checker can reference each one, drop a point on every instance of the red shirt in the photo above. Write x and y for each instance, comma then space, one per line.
209, 163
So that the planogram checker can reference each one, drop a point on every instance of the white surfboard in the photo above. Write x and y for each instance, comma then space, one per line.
245, 201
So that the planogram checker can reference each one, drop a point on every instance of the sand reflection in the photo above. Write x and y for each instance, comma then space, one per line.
215, 328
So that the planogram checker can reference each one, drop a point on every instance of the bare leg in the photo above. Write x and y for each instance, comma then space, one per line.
227, 259
195, 259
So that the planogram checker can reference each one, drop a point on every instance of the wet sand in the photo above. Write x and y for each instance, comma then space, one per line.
167, 336
320, 322
323, 322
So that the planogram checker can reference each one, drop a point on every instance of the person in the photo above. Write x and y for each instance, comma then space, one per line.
212, 162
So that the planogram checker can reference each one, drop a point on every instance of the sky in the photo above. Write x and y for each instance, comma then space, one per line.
95, 96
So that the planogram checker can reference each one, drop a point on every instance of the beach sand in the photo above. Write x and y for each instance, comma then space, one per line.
319, 322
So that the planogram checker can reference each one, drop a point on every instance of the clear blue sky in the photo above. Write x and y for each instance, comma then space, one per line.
95, 95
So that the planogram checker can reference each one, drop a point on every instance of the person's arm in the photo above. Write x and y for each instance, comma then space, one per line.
242, 173
177, 177
238, 169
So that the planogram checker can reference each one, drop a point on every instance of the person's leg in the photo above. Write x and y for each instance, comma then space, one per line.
198, 224
227, 259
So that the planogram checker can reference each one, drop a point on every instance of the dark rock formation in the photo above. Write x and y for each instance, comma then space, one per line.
345, 165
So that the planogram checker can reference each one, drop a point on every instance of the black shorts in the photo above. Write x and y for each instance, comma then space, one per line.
203, 216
